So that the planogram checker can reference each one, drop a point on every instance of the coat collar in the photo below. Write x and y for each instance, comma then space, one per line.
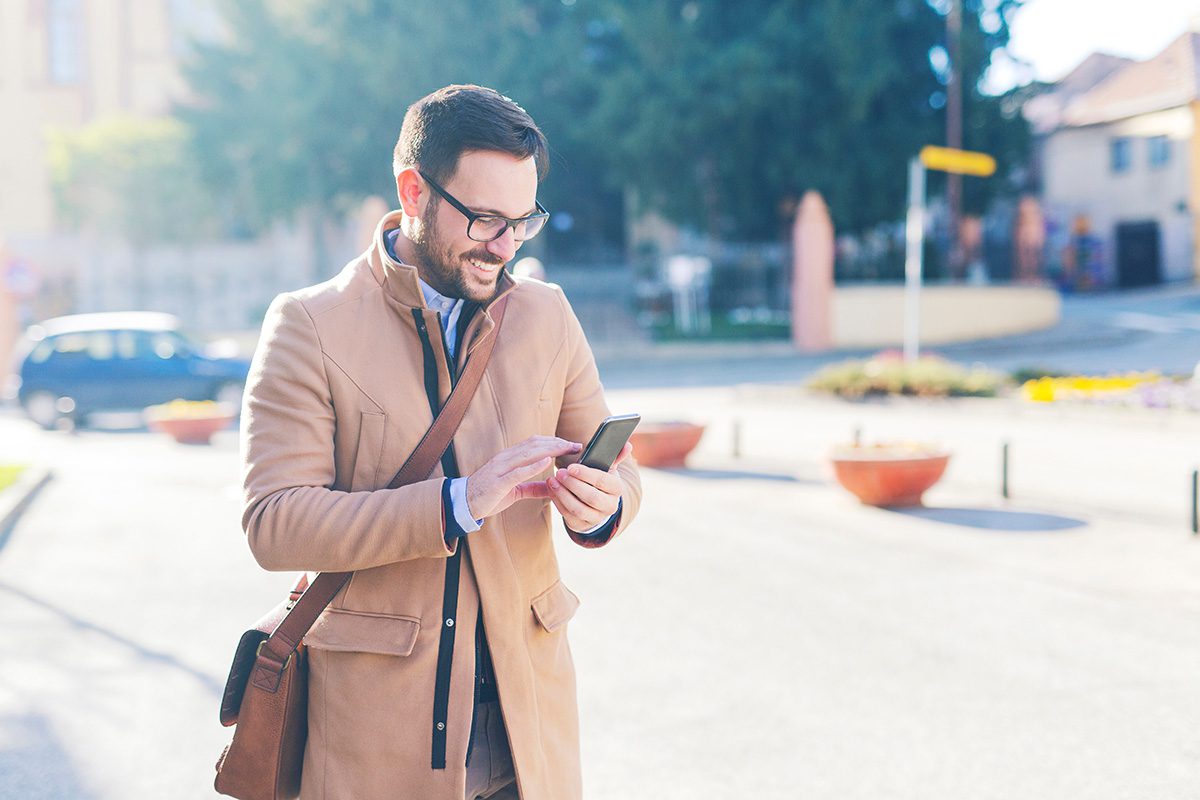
399, 280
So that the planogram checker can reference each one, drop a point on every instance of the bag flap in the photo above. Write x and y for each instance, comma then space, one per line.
363, 632
555, 606
239, 675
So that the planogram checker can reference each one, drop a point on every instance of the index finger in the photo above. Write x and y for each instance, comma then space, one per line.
537, 448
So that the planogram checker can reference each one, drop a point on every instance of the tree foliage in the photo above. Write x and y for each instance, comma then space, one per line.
714, 113
130, 177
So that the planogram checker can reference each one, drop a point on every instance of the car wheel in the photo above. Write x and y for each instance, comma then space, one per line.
230, 394
43, 408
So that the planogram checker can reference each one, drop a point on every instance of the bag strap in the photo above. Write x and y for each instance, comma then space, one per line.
274, 652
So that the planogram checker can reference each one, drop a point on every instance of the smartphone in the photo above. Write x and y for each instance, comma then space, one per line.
608, 441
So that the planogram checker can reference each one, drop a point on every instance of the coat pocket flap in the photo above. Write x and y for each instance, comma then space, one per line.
359, 632
555, 606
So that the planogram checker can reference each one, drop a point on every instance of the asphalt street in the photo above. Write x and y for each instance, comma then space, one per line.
757, 634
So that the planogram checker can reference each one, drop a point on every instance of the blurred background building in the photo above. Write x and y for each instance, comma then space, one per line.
82, 68
1117, 158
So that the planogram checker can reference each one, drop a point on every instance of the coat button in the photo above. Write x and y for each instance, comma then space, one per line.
450, 623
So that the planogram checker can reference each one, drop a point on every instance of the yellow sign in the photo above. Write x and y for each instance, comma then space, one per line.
964, 162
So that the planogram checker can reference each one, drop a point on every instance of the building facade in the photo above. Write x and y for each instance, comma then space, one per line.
65, 64
1117, 160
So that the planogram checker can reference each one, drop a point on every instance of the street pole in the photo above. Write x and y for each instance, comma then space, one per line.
914, 237
954, 135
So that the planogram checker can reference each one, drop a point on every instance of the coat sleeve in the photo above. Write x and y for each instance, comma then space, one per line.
583, 408
293, 518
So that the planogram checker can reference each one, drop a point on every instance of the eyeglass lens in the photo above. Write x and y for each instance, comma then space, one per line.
485, 229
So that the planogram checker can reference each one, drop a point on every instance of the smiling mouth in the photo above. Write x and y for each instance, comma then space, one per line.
485, 266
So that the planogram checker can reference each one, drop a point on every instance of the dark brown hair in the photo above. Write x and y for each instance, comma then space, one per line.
443, 125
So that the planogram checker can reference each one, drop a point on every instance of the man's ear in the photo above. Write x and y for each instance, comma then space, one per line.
412, 191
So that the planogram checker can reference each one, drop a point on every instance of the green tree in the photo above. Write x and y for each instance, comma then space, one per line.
130, 177
133, 179
714, 113
717, 112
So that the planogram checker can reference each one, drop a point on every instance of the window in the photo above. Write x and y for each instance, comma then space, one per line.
1120, 154
64, 42
126, 342
42, 351
164, 345
1160, 151
100, 346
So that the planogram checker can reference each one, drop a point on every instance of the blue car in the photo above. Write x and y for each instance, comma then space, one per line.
72, 366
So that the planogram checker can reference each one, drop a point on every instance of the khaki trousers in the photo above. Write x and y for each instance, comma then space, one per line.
490, 773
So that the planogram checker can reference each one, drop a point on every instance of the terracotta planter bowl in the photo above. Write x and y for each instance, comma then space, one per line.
889, 480
665, 444
191, 430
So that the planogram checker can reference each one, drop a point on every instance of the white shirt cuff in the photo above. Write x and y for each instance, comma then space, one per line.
458, 503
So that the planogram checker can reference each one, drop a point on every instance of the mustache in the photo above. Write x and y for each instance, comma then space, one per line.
484, 257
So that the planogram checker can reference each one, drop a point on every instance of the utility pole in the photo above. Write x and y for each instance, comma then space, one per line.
954, 122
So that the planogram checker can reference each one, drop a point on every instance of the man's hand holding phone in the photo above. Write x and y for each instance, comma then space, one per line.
586, 493
501, 481
585, 496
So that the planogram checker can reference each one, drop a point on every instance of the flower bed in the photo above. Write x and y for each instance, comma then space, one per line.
1133, 389
889, 374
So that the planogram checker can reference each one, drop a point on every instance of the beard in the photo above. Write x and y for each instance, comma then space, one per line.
449, 273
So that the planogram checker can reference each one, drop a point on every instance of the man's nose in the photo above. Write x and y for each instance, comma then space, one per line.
505, 247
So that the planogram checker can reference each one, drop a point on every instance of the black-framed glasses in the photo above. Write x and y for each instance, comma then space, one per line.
490, 227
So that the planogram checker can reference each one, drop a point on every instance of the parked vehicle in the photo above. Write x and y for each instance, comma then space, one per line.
70, 367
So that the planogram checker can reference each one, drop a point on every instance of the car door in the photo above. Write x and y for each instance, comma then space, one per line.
80, 367
164, 367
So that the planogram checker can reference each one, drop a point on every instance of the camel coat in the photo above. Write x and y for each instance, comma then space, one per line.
336, 401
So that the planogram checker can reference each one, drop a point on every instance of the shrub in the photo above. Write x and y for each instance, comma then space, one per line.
889, 374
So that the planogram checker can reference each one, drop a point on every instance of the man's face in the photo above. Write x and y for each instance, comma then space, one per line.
487, 182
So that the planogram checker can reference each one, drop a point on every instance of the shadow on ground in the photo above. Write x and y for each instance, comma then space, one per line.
137, 649
34, 762
993, 519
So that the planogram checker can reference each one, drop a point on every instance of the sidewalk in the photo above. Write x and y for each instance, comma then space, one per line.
756, 615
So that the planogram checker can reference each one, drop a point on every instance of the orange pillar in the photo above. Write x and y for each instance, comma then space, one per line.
812, 275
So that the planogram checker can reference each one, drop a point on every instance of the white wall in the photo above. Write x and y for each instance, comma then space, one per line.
1078, 179
873, 316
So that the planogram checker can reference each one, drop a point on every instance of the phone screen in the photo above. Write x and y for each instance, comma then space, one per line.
607, 442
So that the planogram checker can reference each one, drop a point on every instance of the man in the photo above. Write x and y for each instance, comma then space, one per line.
442, 669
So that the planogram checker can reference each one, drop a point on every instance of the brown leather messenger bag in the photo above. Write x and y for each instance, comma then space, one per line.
266, 695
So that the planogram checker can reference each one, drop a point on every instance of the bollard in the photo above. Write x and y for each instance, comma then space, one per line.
857, 437
1004, 471
1195, 502
737, 438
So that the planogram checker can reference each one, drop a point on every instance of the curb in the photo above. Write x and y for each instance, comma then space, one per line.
16, 498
